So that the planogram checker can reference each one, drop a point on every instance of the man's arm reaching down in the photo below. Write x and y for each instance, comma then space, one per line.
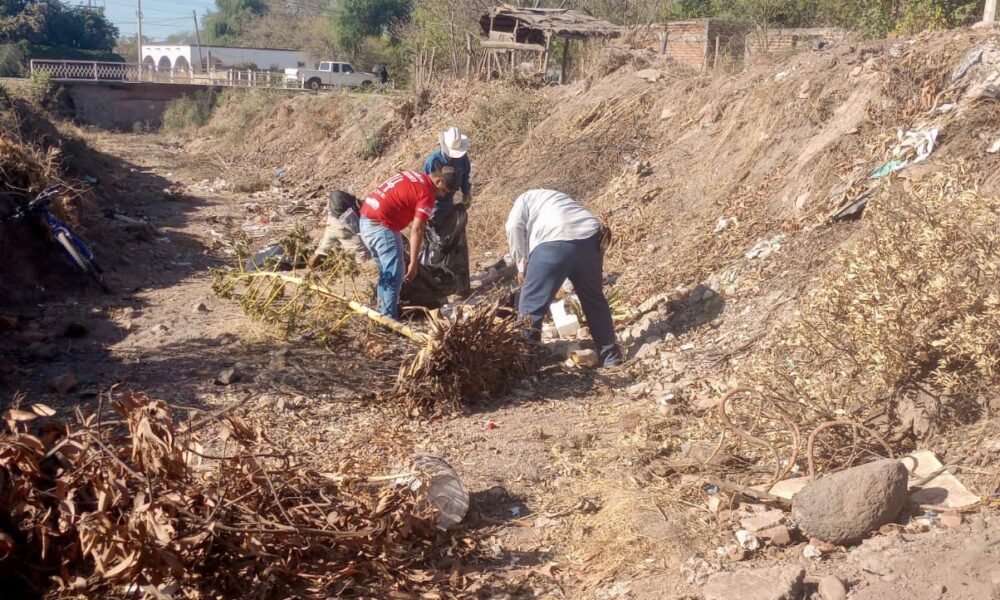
517, 233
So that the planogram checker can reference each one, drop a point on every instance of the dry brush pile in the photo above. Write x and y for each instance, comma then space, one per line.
464, 361
452, 363
136, 506
900, 340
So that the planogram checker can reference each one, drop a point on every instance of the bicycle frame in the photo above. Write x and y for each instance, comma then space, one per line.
55, 227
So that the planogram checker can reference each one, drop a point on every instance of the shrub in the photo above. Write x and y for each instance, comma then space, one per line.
371, 147
241, 107
12, 60
5, 100
904, 334
41, 89
188, 112
507, 111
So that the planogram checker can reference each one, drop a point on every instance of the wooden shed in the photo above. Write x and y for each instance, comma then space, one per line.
510, 30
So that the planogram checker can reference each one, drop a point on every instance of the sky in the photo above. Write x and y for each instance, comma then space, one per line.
160, 18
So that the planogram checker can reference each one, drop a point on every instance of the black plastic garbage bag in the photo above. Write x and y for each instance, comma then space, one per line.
269, 258
444, 262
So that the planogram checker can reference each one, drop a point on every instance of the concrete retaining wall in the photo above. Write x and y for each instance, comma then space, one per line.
123, 105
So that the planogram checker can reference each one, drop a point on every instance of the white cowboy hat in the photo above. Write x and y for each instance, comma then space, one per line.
453, 143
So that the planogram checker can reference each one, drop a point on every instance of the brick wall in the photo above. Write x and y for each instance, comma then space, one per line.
787, 40
703, 44
693, 43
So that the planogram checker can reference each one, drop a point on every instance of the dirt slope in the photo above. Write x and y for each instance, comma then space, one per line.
692, 173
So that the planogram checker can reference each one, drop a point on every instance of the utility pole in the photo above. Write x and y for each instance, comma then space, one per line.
138, 37
990, 11
197, 36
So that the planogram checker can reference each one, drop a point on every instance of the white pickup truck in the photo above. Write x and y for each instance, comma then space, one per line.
331, 73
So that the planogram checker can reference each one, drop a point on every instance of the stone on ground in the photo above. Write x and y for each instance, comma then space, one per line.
775, 583
832, 588
228, 376
845, 507
779, 535
765, 520
62, 384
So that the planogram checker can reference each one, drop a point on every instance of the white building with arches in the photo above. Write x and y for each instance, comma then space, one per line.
194, 58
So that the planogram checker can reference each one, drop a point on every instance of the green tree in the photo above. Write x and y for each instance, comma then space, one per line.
227, 23
359, 19
52, 23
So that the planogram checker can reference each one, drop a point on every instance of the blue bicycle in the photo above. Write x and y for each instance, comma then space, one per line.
73, 246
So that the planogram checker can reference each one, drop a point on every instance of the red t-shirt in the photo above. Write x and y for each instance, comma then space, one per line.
404, 197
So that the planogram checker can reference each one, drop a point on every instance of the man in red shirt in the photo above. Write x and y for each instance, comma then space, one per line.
405, 197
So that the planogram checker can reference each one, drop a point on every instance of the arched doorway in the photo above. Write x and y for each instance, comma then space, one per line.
148, 66
163, 64
182, 68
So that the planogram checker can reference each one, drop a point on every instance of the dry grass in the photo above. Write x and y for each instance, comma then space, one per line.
911, 310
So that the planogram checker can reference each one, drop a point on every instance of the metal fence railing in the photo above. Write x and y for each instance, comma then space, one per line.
75, 70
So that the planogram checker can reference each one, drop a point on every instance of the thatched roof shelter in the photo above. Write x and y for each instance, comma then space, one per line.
533, 25
512, 31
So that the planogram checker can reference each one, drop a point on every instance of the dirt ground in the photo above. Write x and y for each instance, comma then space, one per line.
584, 484
563, 497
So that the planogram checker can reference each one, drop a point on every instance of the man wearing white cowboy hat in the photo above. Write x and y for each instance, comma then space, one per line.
447, 248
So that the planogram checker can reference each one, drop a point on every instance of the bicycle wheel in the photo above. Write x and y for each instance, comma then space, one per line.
89, 266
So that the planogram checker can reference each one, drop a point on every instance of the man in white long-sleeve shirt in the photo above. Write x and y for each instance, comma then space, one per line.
553, 237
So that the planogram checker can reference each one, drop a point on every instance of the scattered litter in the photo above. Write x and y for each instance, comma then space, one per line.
854, 208
270, 258
764, 248
688, 346
747, 540
90, 179
811, 551
445, 490
584, 358
515, 511
780, 75
765, 520
972, 58
913, 147
566, 324
619, 590
994, 147
723, 223
488, 425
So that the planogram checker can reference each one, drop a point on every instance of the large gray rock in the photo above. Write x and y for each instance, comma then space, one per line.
775, 583
845, 507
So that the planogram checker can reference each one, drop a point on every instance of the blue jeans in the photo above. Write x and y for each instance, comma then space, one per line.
386, 247
582, 262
